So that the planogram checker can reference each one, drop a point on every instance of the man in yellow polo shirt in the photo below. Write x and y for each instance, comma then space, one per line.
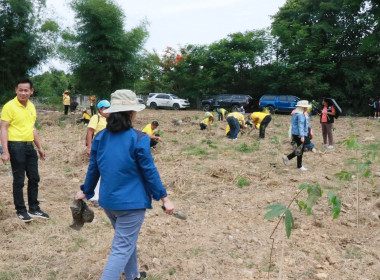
17, 136
260, 120
149, 130
235, 122
97, 123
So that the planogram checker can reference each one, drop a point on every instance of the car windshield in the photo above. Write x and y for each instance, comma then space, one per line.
174, 96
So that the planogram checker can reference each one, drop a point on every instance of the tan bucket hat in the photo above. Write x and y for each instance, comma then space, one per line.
124, 100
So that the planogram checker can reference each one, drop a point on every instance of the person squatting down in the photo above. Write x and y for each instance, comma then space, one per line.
260, 120
207, 121
299, 132
18, 133
149, 130
121, 156
236, 123
85, 118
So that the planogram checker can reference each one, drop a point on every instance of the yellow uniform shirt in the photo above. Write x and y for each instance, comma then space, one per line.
207, 121
259, 115
148, 129
223, 111
238, 116
86, 116
21, 120
66, 99
98, 123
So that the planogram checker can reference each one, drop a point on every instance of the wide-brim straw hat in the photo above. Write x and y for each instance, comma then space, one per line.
124, 100
303, 104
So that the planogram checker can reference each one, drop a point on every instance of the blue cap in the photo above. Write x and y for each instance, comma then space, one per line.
103, 103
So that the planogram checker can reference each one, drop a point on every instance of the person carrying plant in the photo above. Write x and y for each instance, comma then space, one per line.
207, 121
18, 133
149, 130
129, 183
260, 121
66, 101
236, 123
299, 132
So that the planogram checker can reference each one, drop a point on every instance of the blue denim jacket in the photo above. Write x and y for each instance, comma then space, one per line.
299, 125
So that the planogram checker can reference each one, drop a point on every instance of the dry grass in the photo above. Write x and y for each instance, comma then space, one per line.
225, 236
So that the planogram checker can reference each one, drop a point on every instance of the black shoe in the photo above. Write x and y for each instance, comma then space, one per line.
38, 214
142, 275
24, 217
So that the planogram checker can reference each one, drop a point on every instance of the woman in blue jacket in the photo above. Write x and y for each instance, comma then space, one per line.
299, 132
121, 156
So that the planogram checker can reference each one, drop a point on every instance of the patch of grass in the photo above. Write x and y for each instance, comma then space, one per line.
68, 170
9, 275
194, 150
45, 147
79, 240
372, 147
37, 124
52, 275
353, 253
172, 271
196, 117
250, 265
213, 146
242, 182
245, 148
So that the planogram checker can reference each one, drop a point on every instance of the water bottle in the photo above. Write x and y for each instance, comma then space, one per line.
8, 169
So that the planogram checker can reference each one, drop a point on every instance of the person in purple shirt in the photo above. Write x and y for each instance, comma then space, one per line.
121, 157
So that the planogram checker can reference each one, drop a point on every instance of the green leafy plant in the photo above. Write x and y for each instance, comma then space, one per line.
245, 148
362, 168
314, 192
242, 182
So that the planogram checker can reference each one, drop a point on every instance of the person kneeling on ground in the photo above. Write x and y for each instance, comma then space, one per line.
149, 130
207, 121
85, 117
261, 120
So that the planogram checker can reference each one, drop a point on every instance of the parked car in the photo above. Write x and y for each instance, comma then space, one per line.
280, 103
166, 100
140, 100
228, 101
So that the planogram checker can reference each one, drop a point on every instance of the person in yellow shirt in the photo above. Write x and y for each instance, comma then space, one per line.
85, 117
260, 120
92, 105
18, 133
149, 130
66, 101
236, 123
221, 113
97, 123
207, 121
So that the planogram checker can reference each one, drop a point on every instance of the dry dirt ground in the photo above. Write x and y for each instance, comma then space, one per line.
225, 236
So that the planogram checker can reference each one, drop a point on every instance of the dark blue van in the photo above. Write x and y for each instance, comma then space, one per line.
279, 103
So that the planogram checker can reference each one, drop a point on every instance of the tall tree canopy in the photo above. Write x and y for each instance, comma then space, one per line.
26, 39
102, 54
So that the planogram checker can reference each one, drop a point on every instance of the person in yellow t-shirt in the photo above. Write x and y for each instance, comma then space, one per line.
18, 133
236, 123
149, 130
97, 123
207, 121
85, 117
92, 100
66, 101
260, 120
221, 113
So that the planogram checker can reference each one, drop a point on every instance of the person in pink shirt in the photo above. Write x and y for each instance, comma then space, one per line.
327, 119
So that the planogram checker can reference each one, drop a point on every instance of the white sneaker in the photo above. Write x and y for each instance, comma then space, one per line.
314, 150
302, 168
286, 160
330, 147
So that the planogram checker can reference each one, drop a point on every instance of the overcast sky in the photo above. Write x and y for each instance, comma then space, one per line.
181, 22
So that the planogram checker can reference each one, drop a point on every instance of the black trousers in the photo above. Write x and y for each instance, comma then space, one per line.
292, 155
203, 126
24, 160
93, 110
263, 125
66, 109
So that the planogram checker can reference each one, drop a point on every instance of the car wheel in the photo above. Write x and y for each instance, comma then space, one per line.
206, 107
270, 109
235, 108
153, 106
176, 106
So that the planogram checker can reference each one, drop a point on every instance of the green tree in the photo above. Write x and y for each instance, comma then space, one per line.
26, 39
52, 84
103, 56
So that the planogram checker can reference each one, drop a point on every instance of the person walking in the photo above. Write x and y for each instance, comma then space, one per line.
260, 119
235, 122
18, 133
66, 101
327, 119
129, 181
299, 132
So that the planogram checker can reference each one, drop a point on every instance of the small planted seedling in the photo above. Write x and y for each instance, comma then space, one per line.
242, 182
283, 212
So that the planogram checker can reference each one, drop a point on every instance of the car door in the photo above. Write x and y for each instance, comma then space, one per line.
283, 103
225, 101
292, 102
160, 100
